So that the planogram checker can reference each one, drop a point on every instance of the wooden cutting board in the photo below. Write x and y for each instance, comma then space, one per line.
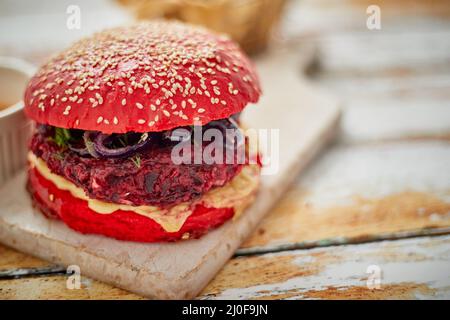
307, 119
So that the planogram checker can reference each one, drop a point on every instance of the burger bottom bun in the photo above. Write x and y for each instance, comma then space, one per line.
122, 225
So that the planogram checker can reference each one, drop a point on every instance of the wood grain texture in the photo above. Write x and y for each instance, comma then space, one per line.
361, 193
12, 259
54, 287
410, 269
386, 178
314, 18
413, 268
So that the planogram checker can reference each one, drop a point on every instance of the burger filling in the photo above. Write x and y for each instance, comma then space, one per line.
137, 169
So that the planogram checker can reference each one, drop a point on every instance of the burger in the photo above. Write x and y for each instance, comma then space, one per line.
110, 112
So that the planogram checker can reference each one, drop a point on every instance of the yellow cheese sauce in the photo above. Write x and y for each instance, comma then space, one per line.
237, 194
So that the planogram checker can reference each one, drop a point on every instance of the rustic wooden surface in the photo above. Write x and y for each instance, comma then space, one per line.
379, 196
182, 270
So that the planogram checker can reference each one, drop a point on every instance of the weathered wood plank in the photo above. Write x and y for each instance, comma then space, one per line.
384, 53
383, 77
382, 119
394, 87
54, 288
306, 18
12, 259
361, 193
413, 268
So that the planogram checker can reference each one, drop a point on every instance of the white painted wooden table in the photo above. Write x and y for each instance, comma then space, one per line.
377, 199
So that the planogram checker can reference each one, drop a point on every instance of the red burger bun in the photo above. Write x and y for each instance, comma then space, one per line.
121, 225
146, 77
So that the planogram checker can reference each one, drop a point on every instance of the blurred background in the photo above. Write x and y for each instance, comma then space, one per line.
388, 62
390, 68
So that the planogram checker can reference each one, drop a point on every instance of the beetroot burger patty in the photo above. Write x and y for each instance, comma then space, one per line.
148, 177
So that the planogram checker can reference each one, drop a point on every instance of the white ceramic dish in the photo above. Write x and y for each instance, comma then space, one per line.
14, 127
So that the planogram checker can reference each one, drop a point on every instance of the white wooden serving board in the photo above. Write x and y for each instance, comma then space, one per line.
306, 119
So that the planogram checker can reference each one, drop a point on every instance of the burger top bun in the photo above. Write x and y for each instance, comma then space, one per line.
146, 77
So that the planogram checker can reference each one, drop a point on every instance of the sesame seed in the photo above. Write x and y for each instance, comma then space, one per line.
67, 110
99, 119
141, 121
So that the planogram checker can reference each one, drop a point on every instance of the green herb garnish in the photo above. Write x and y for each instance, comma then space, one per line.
62, 137
136, 160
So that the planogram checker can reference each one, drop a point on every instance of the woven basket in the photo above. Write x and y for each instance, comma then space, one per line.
249, 22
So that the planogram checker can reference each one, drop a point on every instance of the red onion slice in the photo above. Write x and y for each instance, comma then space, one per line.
101, 147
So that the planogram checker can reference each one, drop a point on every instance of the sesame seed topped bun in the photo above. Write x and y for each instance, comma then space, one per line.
146, 77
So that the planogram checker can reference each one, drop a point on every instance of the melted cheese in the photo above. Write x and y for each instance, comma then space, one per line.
237, 194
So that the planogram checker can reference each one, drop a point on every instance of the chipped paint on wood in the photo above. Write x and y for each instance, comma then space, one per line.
375, 171
360, 193
55, 288
369, 120
412, 268
12, 259
401, 291
316, 18
354, 193
298, 224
